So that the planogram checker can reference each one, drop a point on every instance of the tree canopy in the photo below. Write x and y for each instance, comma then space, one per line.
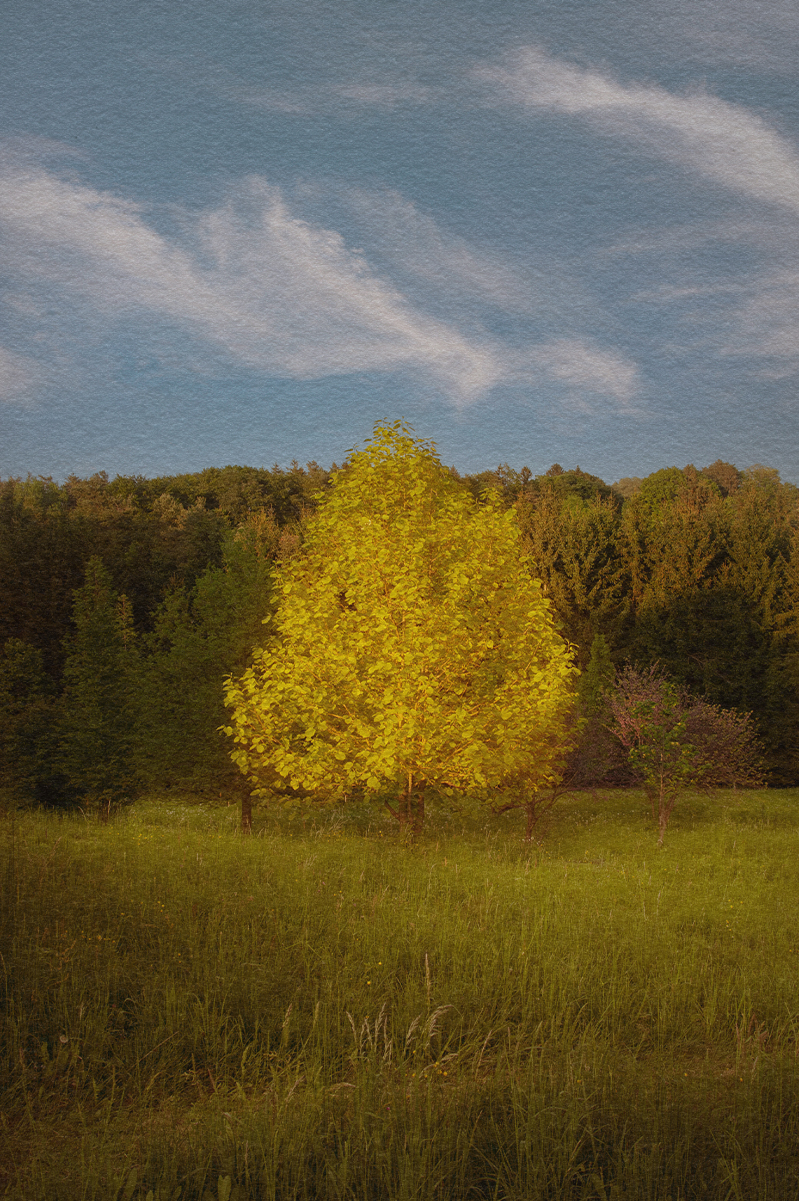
412, 646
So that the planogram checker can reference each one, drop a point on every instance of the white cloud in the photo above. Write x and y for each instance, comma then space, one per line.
757, 313
750, 311
281, 295
275, 292
722, 141
588, 370
418, 246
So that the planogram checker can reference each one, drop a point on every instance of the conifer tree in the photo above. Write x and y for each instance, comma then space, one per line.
597, 677
201, 635
97, 724
27, 710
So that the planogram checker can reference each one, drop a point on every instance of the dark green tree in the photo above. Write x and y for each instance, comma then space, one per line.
597, 758
201, 635
572, 542
781, 733
42, 553
597, 678
27, 714
97, 725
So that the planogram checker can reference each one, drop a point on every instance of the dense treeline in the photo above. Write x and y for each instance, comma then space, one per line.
124, 602
695, 570
150, 534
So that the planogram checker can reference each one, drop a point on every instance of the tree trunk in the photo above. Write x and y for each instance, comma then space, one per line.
418, 813
662, 829
410, 809
531, 816
405, 807
663, 820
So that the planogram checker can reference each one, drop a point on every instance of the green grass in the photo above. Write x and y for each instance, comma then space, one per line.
321, 1012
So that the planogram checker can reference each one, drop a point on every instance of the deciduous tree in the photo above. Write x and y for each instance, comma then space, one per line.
674, 740
414, 648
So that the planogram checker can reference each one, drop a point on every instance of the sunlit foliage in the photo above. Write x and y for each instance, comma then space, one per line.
414, 646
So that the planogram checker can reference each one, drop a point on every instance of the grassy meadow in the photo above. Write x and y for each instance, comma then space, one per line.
319, 1011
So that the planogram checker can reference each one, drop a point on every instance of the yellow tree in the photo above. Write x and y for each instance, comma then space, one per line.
412, 648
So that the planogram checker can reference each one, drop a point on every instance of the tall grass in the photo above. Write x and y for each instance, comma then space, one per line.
321, 1012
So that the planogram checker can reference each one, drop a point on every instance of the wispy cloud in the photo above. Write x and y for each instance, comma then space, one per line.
725, 142
763, 35
589, 371
668, 294
418, 246
328, 310
749, 311
274, 292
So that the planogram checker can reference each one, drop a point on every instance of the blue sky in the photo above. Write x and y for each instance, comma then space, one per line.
241, 232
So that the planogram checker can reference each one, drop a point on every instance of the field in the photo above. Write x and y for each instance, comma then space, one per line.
319, 1011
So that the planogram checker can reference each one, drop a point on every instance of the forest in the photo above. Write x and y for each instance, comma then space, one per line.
124, 604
